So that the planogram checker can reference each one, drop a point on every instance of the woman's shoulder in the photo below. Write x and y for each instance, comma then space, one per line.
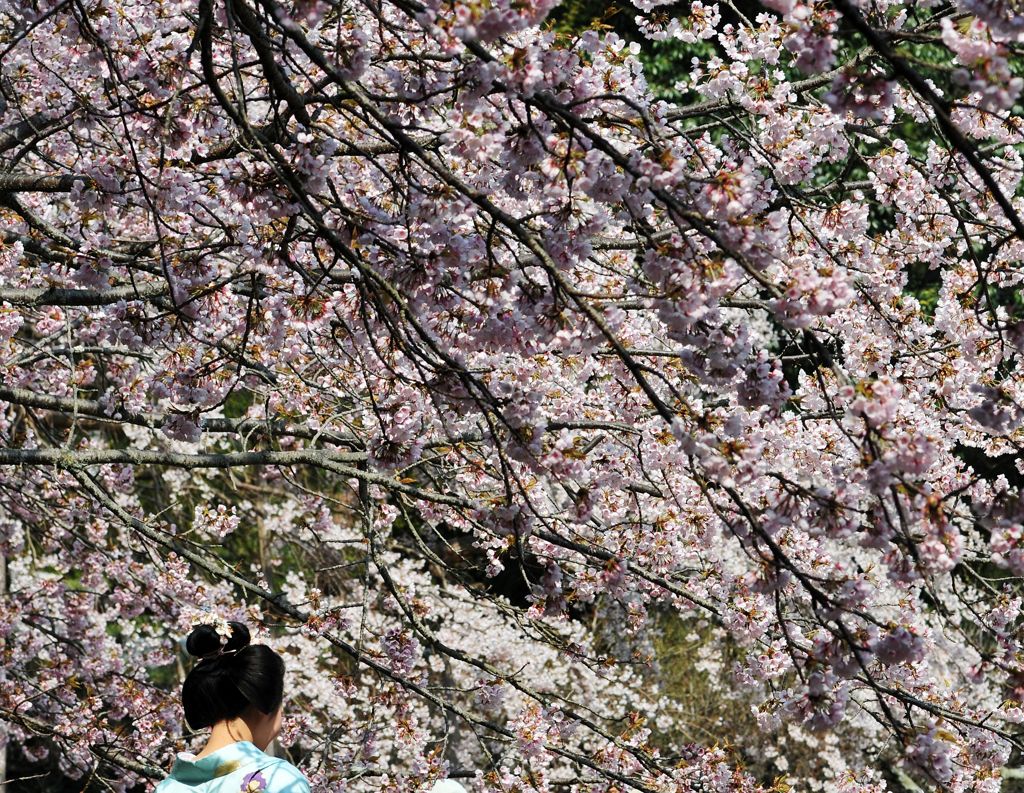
238, 768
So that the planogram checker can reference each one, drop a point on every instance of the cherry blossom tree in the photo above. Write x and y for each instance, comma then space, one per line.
434, 346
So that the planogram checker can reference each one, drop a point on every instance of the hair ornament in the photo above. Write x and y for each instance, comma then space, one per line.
210, 640
218, 653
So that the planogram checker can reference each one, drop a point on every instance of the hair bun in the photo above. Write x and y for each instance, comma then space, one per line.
239, 638
205, 642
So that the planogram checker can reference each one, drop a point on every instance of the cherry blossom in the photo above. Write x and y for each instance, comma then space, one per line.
492, 390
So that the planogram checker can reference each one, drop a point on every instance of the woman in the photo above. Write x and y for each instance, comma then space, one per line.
236, 688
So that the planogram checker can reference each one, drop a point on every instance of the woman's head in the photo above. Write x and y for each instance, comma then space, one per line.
233, 679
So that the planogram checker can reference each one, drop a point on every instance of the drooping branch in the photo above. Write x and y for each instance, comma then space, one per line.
340, 463
880, 43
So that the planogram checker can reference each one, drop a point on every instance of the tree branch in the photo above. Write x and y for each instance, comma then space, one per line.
93, 409
87, 457
38, 125
58, 296
30, 183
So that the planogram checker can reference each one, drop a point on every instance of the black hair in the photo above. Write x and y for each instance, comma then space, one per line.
230, 676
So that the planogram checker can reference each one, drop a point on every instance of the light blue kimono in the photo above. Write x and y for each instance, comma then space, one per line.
236, 768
